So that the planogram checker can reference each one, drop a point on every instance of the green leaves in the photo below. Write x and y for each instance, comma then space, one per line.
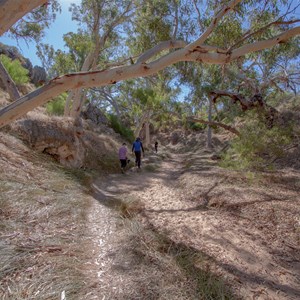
257, 145
32, 26
18, 73
149, 26
57, 105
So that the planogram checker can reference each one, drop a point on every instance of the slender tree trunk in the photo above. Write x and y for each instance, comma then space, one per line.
117, 109
78, 103
209, 142
147, 131
67, 110
9, 83
140, 124
79, 97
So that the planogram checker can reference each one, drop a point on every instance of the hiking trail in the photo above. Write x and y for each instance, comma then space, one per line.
195, 203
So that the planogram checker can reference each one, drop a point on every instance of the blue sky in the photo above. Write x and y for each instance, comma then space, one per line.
53, 36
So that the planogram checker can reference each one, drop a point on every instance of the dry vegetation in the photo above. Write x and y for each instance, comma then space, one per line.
213, 228
49, 240
183, 228
42, 220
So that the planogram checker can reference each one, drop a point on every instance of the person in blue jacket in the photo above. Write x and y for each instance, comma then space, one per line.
137, 148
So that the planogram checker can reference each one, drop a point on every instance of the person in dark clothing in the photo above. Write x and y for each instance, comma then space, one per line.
156, 146
137, 148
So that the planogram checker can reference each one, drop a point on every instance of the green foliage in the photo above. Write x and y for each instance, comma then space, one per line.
18, 73
196, 126
127, 133
57, 105
33, 24
257, 146
58, 62
149, 97
227, 33
153, 25
79, 45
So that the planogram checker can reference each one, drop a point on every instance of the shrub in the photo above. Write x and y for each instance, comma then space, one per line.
119, 128
57, 105
257, 146
196, 126
14, 68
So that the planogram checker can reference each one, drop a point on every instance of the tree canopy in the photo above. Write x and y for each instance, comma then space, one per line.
121, 40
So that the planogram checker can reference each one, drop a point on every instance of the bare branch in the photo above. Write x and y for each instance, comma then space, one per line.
176, 21
257, 46
158, 48
213, 24
247, 36
198, 15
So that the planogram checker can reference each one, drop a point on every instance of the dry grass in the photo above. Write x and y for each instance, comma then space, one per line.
129, 209
42, 220
163, 270
44, 235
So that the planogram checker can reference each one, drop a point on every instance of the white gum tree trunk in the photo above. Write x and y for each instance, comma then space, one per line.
90, 62
139, 124
209, 131
147, 132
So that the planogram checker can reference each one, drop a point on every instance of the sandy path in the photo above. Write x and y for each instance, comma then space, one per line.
176, 203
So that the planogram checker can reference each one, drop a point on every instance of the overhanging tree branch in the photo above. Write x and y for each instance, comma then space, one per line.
112, 76
257, 46
213, 123
13, 10
195, 52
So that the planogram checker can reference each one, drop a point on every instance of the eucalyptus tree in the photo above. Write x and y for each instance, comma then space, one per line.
252, 75
27, 19
260, 31
100, 20
153, 22
108, 99
58, 62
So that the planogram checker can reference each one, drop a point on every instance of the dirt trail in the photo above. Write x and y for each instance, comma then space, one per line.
197, 204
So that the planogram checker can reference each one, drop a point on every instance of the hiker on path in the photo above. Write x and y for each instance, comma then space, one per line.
137, 148
123, 157
156, 146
